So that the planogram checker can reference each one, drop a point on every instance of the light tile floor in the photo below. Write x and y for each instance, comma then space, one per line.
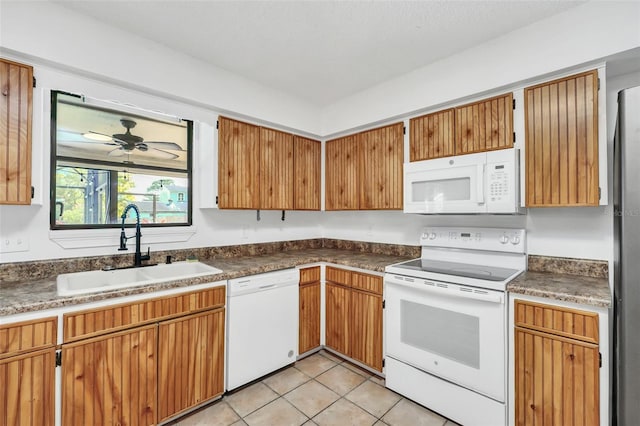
321, 389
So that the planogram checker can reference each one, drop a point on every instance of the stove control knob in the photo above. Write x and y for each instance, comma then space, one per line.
504, 239
515, 240
432, 236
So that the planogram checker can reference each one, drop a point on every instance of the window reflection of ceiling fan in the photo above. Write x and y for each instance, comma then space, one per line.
128, 142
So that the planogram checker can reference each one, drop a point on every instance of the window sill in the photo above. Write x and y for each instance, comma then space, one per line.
86, 238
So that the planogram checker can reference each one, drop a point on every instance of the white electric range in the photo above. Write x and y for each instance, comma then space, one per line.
446, 322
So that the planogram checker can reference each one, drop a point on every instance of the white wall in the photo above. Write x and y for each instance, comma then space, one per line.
204, 91
577, 36
50, 32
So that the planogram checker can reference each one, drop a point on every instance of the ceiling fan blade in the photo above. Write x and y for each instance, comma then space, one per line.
118, 152
158, 153
164, 145
97, 136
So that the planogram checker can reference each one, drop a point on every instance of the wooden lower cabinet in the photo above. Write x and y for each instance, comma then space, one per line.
365, 341
353, 323
111, 380
337, 317
149, 372
27, 389
191, 361
309, 329
557, 378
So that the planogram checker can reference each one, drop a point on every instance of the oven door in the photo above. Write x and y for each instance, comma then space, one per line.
446, 185
454, 332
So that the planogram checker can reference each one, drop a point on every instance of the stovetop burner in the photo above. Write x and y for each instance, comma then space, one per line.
481, 272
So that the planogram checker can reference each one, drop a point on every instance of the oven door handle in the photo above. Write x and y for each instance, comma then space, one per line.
417, 284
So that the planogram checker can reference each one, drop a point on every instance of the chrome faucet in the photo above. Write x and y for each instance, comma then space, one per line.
138, 257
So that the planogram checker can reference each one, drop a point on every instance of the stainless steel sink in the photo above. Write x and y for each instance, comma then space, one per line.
97, 281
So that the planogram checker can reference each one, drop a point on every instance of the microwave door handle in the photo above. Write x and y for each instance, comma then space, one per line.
480, 183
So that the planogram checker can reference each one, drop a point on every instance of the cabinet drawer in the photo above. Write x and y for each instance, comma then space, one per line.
27, 336
572, 323
309, 275
366, 282
91, 322
339, 276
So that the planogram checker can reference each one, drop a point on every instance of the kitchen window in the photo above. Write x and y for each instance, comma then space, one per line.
103, 158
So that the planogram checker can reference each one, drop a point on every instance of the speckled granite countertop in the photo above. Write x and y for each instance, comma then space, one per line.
33, 295
571, 280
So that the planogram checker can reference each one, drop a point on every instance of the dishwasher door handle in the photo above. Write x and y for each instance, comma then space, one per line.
266, 286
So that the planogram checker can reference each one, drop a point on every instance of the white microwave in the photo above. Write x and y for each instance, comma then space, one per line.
486, 182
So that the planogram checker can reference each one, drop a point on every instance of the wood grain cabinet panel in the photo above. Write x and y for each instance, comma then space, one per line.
365, 336
556, 380
353, 311
309, 329
306, 176
432, 135
191, 361
111, 380
238, 164
276, 170
27, 384
572, 323
92, 322
339, 276
16, 110
341, 174
27, 336
309, 275
381, 156
337, 317
485, 125
561, 132
366, 282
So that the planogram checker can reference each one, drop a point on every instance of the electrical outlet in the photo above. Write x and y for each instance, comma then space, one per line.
14, 244
244, 235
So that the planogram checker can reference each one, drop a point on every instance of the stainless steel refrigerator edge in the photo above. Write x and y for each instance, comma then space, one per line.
626, 376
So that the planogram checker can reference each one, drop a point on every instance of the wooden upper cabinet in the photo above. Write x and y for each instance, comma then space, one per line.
561, 131
432, 135
238, 165
306, 174
16, 106
381, 157
341, 173
486, 125
276, 170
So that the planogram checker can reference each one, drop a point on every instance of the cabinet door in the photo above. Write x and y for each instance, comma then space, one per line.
309, 331
337, 317
556, 380
485, 126
238, 165
276, 170
561, 131
365, 335
341, 174
191, 361
306, 175
27, 389
111, 379
432, 135
381, 157
16, 106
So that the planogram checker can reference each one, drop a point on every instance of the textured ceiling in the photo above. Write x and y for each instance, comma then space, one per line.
319, 51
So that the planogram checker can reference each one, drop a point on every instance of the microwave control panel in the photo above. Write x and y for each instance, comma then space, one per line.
499, 179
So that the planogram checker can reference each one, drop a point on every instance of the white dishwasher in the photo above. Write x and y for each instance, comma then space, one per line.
262, 325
